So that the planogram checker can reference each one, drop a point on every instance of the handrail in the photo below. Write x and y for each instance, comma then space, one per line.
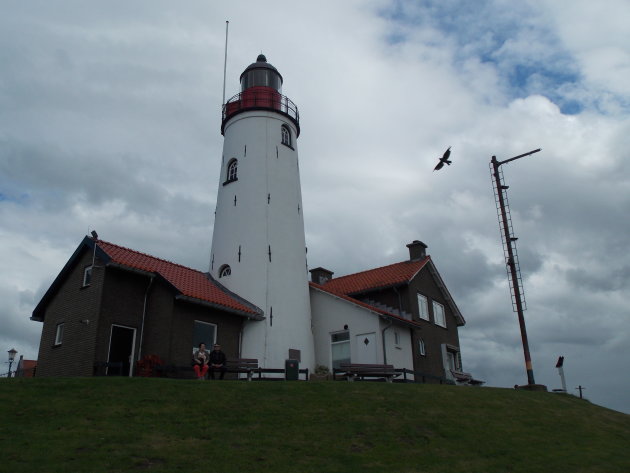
260, 98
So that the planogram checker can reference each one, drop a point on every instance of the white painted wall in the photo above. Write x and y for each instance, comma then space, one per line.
399, 354
280, 286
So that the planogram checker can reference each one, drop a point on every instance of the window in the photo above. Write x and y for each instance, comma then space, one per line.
87, 276
232, 171
438, 314
59, 334
204, 332
340, 347
286, 135
421, 347
423, 307
225, 271
396, 338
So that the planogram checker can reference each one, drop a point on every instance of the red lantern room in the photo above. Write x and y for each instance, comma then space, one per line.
261, 89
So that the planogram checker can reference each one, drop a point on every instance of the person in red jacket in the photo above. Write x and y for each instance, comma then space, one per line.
216, 361
200, 361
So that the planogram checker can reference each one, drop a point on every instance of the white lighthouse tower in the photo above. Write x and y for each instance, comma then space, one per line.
258, 245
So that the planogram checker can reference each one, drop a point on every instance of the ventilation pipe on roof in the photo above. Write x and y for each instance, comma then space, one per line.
417, 250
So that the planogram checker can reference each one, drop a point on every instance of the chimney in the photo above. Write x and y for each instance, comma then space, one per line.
417, 250
320, 275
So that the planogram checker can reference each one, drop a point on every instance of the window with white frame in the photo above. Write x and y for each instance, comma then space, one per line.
286, 135
340, 348
87, 276
204, 332
423, 307
232, 170
422, 350
438, 314
59, 334
396, 338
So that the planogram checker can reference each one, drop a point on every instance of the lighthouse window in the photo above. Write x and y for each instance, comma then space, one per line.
232, 171
225, 271
286, 135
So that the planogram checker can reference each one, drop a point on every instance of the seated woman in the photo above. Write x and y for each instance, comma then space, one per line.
200, 361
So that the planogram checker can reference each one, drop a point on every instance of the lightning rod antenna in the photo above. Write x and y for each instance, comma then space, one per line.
227, 23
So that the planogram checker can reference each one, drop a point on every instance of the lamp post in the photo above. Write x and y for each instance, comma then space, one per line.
511, 257
12, 352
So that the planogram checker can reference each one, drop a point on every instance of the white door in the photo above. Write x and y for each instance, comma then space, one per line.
366, 348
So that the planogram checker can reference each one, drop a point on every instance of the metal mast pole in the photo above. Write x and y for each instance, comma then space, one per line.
227, 24
511, 262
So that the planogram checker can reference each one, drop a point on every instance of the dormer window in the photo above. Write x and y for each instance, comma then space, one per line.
225, 271
286, 135
232, 171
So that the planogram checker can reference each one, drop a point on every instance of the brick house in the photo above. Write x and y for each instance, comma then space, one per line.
110, 304
400, 314
113, 305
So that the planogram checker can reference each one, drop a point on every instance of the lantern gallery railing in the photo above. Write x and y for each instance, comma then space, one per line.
260, 98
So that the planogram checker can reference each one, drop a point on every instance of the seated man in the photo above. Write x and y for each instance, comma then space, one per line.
200, 361
217, 361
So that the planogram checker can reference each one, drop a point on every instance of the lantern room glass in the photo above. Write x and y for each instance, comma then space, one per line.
261, 78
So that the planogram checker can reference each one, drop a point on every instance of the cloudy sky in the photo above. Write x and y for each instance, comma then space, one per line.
110, 120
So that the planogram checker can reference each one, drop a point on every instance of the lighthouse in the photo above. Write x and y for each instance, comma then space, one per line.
258, 244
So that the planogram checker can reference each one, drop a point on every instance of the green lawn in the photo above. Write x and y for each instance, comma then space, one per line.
164, 425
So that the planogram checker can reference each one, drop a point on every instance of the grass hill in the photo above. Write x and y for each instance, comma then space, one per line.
162, 425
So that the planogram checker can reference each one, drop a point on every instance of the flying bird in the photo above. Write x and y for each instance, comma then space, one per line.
444, 159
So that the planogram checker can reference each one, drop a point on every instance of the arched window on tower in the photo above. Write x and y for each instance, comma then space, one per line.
232, 171
286, 135
225, 271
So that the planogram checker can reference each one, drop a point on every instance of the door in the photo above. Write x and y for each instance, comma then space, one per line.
121, 346
366, 348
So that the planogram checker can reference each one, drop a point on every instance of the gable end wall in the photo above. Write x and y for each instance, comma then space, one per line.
70, 305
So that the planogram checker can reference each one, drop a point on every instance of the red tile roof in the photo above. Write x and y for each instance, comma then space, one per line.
385, 276
189, 282
26, 368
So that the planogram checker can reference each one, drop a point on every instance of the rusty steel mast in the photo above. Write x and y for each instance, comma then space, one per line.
509, 251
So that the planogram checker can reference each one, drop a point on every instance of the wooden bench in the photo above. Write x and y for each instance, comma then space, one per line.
243, 365
352, 371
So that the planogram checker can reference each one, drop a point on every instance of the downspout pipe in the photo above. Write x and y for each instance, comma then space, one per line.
384, 344
144, 313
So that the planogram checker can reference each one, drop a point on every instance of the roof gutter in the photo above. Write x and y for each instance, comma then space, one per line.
242, 313
131, 269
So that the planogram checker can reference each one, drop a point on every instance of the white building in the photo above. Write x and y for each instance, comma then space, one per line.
401, 314
258, 245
